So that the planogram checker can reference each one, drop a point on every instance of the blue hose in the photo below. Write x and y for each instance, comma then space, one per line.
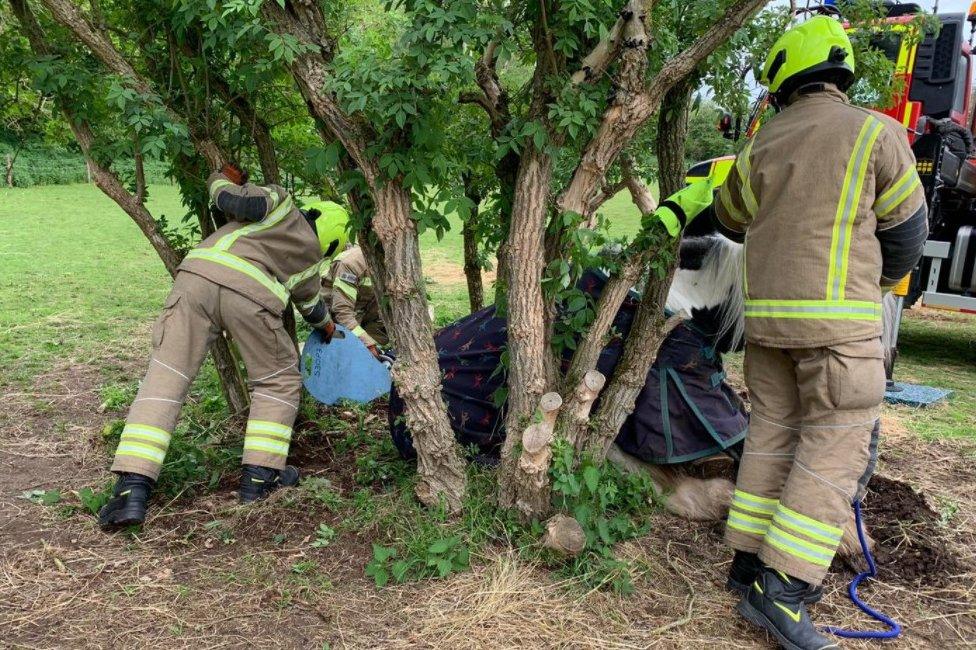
894, 629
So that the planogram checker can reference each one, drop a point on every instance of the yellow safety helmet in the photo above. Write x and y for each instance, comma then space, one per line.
817, 45
331, 226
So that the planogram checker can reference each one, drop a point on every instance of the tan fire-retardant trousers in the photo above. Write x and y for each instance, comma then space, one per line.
811, 448
193, 316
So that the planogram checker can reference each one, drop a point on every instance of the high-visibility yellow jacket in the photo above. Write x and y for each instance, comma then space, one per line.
811, 190
267, 252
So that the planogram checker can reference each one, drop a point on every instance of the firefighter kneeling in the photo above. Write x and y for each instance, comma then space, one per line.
239, 279
832, 210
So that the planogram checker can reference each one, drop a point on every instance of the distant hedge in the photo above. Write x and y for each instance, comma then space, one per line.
54, 166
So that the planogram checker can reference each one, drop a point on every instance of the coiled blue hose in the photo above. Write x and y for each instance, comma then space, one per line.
894, 629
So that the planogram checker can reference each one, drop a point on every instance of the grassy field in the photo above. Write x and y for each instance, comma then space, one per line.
79, 288
76, 275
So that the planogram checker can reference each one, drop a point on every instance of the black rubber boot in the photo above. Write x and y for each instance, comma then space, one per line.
775, 603
258, 482
746, 568
127, 507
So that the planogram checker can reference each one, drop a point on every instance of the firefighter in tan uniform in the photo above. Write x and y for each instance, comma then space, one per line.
348, 290
833, 210
239, 279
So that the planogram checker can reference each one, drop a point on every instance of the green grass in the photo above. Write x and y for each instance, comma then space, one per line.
77, 277
940, 353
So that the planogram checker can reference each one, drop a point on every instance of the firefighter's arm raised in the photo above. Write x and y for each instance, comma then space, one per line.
682, 207
245, 202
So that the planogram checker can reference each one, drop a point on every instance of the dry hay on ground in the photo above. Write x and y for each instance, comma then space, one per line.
207, 573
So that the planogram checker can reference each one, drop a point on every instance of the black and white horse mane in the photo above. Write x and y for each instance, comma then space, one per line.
707, 289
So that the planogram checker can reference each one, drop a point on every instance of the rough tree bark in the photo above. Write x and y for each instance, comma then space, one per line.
533, 497
469, 233
494, 100
635, 102
650, 327
672, 130
416, 371
9, 164
530, 358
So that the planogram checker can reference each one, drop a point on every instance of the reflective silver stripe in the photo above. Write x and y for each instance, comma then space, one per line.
273, 219
302, 276
850, 199
898, 193
813, 309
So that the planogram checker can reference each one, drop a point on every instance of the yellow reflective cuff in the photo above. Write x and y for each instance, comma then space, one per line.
847, 206
146, 432
807, 525
359, 331
346, 288
302, 276
735, 522
262, 445
758, 503
141, 450
242, 266
744, 166
897, 193
726, 198
802, 549
269, 428
218, 185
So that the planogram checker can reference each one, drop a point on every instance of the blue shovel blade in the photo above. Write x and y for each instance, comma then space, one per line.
342, 369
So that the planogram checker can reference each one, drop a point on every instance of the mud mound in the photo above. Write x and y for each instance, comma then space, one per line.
910, 545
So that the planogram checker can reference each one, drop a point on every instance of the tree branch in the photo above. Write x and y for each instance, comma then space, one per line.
634, 105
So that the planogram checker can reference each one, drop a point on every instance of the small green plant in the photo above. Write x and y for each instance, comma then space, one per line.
379, 567
304, 567
322, 491
324, 535
609, 506
92, 500
43, 497
117, 397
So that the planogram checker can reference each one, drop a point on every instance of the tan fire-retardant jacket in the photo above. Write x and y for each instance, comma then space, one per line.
348, 292
266, 260
810, 190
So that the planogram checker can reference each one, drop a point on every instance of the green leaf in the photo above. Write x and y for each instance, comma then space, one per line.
444, 567
399, 570
442, 545
591, 477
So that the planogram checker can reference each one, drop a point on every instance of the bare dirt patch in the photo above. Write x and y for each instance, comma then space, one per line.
910, 543
448, 273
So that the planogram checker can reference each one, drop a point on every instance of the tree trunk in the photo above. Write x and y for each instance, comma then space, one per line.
416, 372
650, 327
469, 232
534, 490
441, 473
672, 130
528, 349
11, 159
